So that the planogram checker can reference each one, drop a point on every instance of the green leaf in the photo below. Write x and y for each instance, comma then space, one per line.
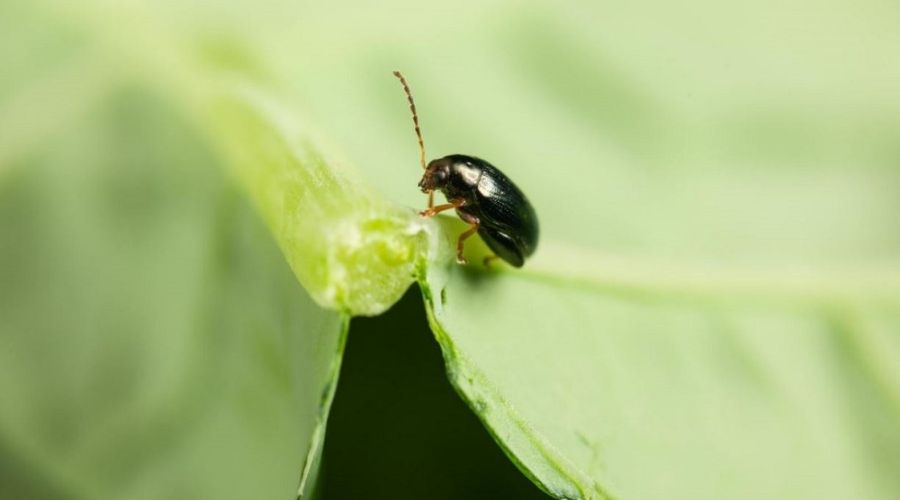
352, 250
713, 311
638, 391
703, 319
155, 343
150, 325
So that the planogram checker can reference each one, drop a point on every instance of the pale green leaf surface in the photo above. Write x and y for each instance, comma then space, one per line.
153, 341
713, 312
150, 325
352, 250
645, 393
702, 320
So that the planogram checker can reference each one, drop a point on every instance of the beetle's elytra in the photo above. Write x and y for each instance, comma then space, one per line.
483, 196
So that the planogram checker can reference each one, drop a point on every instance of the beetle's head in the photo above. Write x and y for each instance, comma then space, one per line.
436, 175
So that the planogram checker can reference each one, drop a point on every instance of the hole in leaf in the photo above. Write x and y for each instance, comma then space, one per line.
398, 430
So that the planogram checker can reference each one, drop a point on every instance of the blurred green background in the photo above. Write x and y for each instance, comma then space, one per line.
153, 342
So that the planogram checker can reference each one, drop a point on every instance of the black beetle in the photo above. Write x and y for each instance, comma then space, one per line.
483, 196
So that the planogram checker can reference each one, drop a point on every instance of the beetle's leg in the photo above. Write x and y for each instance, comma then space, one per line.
471, 219
490, 258
461, 242
431, 199
432, 211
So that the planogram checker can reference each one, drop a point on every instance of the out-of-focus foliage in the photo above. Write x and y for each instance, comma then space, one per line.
153, 341
713, 311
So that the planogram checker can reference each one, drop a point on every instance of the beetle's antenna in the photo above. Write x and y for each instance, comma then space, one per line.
412, 107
